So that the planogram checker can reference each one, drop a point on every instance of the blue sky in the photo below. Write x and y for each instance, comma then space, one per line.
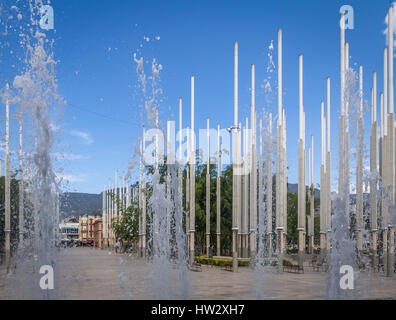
95, 42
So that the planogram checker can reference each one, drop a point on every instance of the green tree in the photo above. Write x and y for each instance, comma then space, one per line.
127, 228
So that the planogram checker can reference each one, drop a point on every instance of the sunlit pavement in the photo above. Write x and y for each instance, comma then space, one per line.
88, 273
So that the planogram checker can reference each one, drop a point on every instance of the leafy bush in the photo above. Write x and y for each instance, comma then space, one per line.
220, 262
286, 262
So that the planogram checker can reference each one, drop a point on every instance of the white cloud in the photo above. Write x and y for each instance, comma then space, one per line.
385, 32
70, 177
68, 156
83, 135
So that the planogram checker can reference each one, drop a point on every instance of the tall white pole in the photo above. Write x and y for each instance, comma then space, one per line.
180, 170
301, 171
385, 81
253, 169
21, 189
104, 218
312, 198
113, 212
235, 161
390, 58
57, 217
218, 194
260, 172
268, 185
323, 206
103, 215
359, 169
280, 163
347, 139
385, 156
170, 159
284, 178
342, 116
300, 95
129, 198
188, 186
328, 112
208, 188
123, 194
391, 133
7, 225
245, 213
373, 168
109, 213
192, 178
144, 207
116, 194
140, 197
328, 167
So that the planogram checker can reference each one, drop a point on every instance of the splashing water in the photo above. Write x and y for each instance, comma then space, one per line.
36, 95
167, 239
264, 228
343, 252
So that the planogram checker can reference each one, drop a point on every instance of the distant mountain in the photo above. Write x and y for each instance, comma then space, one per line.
79, 204
293, 188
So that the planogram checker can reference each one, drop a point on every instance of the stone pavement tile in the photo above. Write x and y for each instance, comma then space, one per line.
88, 273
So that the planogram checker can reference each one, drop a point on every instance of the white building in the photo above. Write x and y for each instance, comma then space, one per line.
68, 231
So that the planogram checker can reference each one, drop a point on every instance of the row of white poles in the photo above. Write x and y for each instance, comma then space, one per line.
244, 194
117, 193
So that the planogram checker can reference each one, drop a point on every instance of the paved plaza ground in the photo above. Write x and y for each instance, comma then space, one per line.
88, 273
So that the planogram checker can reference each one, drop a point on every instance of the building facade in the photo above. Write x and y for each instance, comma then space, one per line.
97, 231
69, 231
86, 230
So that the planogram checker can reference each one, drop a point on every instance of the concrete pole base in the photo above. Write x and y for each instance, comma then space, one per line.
281, 256
245, 250
374, 260
269, 246
301, 247
390, 262
234, 251
207, 245
323, 247
300, 258
311, 244
218, 245
7, 249
391, 252
192, 257
360, 241
192, 247
239, 246
144, 247
234, 262
281, 245
385, 263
